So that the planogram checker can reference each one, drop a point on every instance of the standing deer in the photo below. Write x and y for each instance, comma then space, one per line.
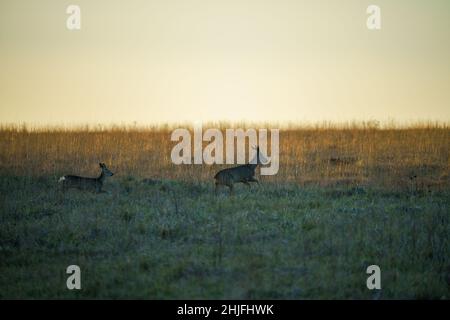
83, 183
243, 173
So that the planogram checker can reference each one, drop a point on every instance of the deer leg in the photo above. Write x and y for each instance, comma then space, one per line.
216, 188
231, 189
65, 187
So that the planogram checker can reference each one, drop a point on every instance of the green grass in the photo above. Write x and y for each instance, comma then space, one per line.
177, 240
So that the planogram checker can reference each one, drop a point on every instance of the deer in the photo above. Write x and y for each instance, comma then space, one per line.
243, 173
84, 183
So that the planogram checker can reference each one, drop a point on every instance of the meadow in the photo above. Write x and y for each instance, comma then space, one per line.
345, 197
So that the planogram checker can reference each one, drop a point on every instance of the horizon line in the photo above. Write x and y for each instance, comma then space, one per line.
305, 124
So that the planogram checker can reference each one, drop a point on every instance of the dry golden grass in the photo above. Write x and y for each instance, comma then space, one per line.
404, 158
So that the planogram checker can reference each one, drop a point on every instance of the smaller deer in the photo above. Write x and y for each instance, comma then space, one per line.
243, 173
83, 183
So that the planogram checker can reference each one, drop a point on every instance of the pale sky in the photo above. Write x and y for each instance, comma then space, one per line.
154, 61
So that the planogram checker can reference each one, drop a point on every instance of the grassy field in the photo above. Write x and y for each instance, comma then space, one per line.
344, 198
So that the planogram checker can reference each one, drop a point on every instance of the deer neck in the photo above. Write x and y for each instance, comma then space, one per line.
254, 165
101, 177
